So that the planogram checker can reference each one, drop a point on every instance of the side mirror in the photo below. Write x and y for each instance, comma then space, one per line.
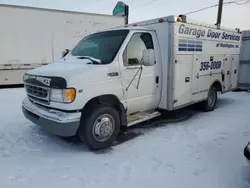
65, 52
148, 57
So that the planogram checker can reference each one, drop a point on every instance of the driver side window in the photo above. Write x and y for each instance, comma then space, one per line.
132, 55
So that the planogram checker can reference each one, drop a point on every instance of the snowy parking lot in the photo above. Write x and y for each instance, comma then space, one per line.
205, 151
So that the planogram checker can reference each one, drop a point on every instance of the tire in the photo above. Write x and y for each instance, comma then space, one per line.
211, 102
99, 127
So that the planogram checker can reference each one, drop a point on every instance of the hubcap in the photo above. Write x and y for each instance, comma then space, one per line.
103, 128
211, 98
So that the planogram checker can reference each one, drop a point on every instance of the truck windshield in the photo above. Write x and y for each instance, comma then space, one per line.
102, 46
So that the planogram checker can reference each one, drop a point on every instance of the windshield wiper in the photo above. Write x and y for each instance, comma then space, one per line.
93, 60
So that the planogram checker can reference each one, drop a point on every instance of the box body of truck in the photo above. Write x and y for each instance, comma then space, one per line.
194, 56
244, 70
127, 75
203, 56
32, 37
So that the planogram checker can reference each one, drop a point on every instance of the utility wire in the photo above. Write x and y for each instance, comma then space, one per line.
145, 4
236, 2
205, 8
226, 3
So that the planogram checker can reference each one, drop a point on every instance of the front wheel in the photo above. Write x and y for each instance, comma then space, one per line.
211, 102
99, 127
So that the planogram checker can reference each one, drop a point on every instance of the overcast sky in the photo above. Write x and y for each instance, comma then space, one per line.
234, 16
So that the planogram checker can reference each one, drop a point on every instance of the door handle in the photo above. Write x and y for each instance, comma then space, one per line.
222, 77
157, 79
197, 75
228, 72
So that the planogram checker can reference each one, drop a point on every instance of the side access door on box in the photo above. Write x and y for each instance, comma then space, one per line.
183, 72
186, 58
207, 70
230, 72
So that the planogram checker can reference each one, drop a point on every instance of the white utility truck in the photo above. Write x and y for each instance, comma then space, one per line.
33, 37
127, 75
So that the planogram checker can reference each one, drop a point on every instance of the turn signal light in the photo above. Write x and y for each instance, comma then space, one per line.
69, 95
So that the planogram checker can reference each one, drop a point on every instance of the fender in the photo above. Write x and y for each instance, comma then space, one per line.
110, 100
218, 84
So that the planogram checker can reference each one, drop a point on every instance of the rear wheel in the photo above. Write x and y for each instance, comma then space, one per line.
211, 102
99, 127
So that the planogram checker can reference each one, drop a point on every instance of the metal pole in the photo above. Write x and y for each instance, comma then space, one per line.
126, 20
219, 15
126, 14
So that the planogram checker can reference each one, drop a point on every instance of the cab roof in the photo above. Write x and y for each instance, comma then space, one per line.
131, 28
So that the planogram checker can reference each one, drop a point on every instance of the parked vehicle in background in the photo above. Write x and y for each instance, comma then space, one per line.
244, 70
32, 37
247, 152
127, 75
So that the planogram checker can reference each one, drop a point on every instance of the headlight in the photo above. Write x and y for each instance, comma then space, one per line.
63, 95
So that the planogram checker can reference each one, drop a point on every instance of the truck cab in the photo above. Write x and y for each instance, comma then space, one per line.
121, 77
104, 69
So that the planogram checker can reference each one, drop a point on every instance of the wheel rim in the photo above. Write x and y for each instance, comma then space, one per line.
211, 98
103, 128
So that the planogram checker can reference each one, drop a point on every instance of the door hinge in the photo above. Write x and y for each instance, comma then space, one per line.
175, 101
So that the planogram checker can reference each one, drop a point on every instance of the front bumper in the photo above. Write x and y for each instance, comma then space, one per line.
53, 121
247, 152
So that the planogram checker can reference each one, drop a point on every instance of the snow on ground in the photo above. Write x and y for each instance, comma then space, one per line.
204, 151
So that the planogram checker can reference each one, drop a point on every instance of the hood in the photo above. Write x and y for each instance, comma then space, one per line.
64, 68
71, 70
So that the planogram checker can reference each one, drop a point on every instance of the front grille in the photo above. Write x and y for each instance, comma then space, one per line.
38, 100
37, 93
